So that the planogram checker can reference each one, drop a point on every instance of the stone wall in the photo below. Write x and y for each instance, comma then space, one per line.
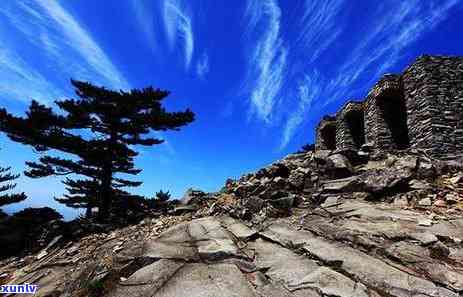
350, 132
385, 114
421, 108
433, 88
326, 134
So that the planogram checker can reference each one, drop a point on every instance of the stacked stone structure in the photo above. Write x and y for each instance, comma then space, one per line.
386, 115
350, 131
433, 90
421, 108
326, 134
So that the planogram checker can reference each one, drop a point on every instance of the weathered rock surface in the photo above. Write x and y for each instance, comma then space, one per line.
354, 248
312, 224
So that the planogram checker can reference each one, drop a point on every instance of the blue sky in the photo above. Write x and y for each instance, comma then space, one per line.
259, 73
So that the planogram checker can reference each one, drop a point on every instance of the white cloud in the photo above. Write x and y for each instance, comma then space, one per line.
388, 38
308, 90
76, 37
202, 66
320, 25
267, 58
20, 82
145, 19
178, 25
51, 47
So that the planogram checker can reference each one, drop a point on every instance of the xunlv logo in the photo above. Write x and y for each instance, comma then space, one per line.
18, 289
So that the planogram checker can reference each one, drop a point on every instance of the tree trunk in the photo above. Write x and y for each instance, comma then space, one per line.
88, 212
105, 193
107, 178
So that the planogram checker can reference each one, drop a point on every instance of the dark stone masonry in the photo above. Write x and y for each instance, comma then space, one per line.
326, 134
350, 126
422, 108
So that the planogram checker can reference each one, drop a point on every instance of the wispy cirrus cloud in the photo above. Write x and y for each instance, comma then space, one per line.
266, 57
202, 66
321, 24
179, 27
79, 39
60, 41
393, 31
20, 82
144, 15
308, 91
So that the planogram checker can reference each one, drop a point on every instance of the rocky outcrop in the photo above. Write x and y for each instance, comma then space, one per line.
312, 224
312, 177
350, 248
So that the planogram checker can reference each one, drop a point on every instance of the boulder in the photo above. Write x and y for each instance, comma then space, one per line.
426, 169
330, 201
283, 203
321, 156
185, 209
457, 179
419, 185
278, 183
452, 198
407, 162
297, 178
425, 222
401, 201
278, 170
424, 238
254, 204
348, 184
382, 180
440, 203
439, 250
425, 202
339, 166
245, 188
191, 196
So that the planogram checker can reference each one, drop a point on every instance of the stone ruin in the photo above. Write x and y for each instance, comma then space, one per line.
418, 109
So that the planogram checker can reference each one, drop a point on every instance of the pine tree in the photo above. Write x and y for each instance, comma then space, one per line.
82, 193
100, 129
6, 177
162, 196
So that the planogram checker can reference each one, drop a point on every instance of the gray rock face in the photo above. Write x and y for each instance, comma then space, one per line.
238, 229
293, 229
371, 271
381, 180
254, 204
307, 254
194, 279
342, 185
341, 166
284, 203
